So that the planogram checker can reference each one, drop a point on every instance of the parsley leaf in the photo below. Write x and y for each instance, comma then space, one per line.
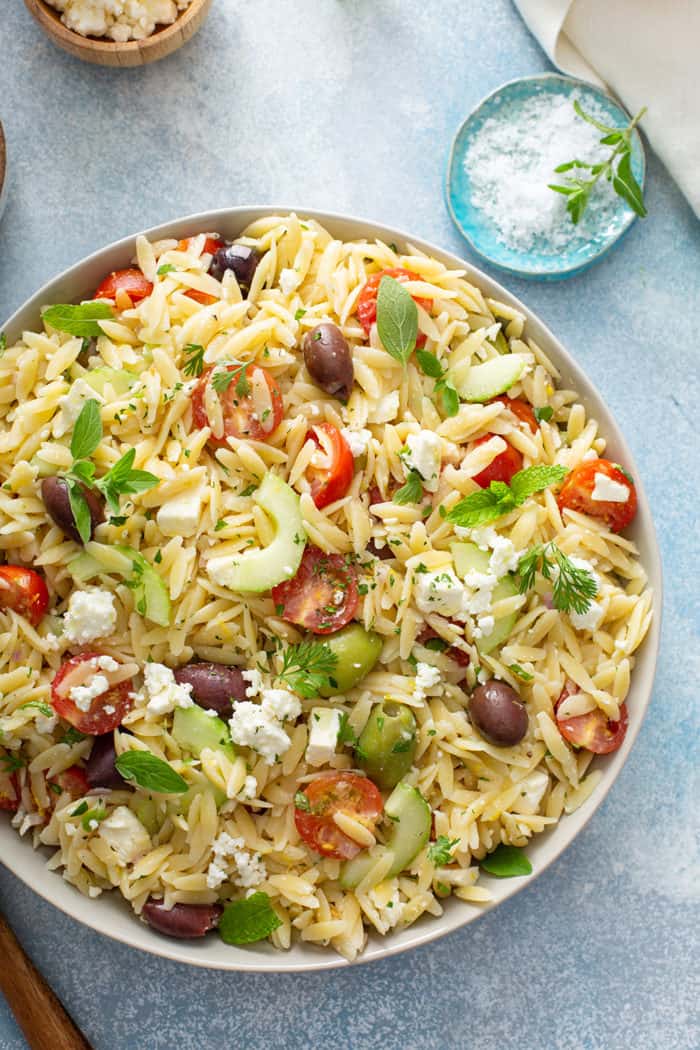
545, 413
248, 920
87, 432
521, 673
440, 851
78, 320
72, 736
397, 319
412, 491
150, 772
195, 360
486, 505
308, 667
301, 802
506, 861
574, 587
165, 268
223, 377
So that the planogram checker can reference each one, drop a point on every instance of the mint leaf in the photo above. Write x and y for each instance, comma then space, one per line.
165, 268
121, 480
87, 432
150, 773
248, 920
429, 364
78, 320
545, 413
449, 398
479, 508
506, 862
534, 479
301, 802
412, 491
397, 319
80, 510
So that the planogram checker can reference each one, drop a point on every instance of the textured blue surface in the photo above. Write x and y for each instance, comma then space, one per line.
352, 106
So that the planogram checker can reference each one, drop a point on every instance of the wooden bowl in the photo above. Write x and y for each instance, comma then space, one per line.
110, 53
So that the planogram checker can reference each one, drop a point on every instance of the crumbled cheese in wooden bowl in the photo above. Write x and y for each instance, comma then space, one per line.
118, 20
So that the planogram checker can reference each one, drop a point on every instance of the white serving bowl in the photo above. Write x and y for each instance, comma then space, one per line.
111, 915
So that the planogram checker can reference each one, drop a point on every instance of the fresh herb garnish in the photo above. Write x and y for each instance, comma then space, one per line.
544, 414
521, 673
165, 268
195, 360
574, 588
42, 708
412, 491
72, 736
346, 734
444, 389
223, 377
87, 432
498, 499
506, 861
78, 320
250, 919
11, 763
150, 773
301, 802
221, 524
299, 314
93, 816
308, 667
397, 319
248, 490
3, 342
440, 851
79, 810
617, 169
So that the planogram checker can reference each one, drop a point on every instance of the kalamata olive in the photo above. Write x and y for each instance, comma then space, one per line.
239, 258
182, 920
54, 492
328, 359
498, 713
385, 553
214, 686
100, 769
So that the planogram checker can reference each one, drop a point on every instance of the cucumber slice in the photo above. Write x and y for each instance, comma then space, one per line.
151, 596
255, 571
410, 832
493, 377
469, 558
119, 379
185, 800
147, 812
357, 651
84, 567
194, 730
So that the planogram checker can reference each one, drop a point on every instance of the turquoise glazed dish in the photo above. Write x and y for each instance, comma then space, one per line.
543, 261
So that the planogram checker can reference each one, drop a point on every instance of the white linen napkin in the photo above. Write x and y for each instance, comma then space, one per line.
647, 52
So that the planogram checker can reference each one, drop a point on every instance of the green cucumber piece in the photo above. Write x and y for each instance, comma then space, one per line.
185, 800
256, 571
410, 832
84, 567
147, 812
119, 379
151, 597
470, 558
357, 651
194, 730
483, 382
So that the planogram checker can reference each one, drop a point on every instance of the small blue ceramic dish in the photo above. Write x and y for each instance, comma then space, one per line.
542, 261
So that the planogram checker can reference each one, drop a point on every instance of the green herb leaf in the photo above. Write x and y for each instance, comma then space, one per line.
87, 432
97, 814
574, 587
535, 479
449, 398
346, 734
79, 810
627, 187
223, 377
150, 773
11, 763
412, 491
299, 314
397, 319
506, 862
544, 414
123, 480
429, 364
248, 490
42, 708
479, 508
521, 673
72, 736
195, 360
78, 320
3, 343
308, 667
301, 802
165, 268
248, 920
440, 851
80, 510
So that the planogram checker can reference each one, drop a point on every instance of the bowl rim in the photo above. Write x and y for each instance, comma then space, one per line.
539, 274
30, 865
99, 45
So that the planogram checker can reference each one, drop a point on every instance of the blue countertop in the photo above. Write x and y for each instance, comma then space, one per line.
350, 105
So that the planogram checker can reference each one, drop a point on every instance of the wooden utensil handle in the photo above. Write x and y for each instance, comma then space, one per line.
40, 1015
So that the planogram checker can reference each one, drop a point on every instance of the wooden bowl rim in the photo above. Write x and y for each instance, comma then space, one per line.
50, 18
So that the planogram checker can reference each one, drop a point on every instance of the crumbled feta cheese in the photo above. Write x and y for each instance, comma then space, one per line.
385, 409
324, 727
608, 490
249, 789
251, 726
504, 557
118, 20
83, 695
424, 455
161, 692
71, 405
91, 614
591, 619
281, 704
358, 440
44, 724
125, 834
484, 626
440, 592
289, 281
181, 515
249, 869
427, 677
254, 677
532, 789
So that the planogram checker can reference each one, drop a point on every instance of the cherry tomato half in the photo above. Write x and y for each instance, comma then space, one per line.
106, 710
332, 468
502, 467
367, 299
323, 595
332, 793
594, 731
577, 494
73, 780
521, 410
131, 281
251, 404
200, 297
9, 791
24, 591
428, 636
211, 244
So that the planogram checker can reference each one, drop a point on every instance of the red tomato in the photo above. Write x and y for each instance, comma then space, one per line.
520, 409
458, 655
323, 595
106, 710
24, 591
577, 494
337, 793
131, 281
594, 730
9, 790
367, 299
502, 467
239, 405
211, 245
332, 477
73, 780
200, 297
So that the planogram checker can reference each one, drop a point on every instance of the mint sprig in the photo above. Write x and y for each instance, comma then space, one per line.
506, 862
151, 773
444, 389
487, 505
412, 491
248, 920
80, 320
397, 319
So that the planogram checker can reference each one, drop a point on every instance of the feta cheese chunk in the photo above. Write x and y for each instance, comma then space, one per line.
385, 409
281, 704
427, 677
252, 726
249, 870
125, 834
83, 695
289, 281
161, 692
71, 405
255, 682
358, 440
324, 728
532, 789
91, 614
424, 455
440, 592
180, 516
608, 490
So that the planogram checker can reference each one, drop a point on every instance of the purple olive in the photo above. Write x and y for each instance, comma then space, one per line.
182, 920
328, 360
54, 492
498, 713
100, 768
384, 553
239, 258
214, 686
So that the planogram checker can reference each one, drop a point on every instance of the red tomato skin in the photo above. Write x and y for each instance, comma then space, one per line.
576, 494
521, 410
24, 591
211, 245
367, 299
73, 780
200, 297
329, 485
9, 792
131, 281
458, 655
97, 720
593, 731
238, 411
307, 598
330, 793
502, 467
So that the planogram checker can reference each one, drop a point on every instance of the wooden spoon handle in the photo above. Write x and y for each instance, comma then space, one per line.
38, 1012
